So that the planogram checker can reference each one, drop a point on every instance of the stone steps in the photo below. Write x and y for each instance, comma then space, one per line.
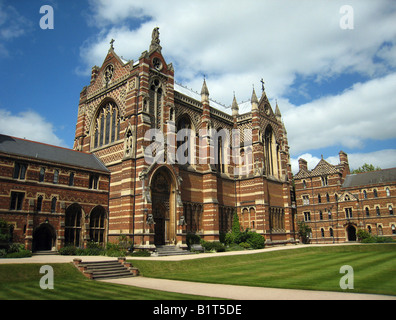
167, 250
45, 253
99, 270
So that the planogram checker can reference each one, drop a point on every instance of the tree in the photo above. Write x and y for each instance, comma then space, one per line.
366, 168
304, 231
236, 226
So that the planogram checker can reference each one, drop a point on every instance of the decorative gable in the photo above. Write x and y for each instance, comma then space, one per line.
324, 168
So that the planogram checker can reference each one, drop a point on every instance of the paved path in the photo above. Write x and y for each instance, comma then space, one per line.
207, 289
241, 292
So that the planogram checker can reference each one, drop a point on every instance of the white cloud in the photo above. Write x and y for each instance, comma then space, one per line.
12, 25
236, 43
366, 111
240, 42
29, 125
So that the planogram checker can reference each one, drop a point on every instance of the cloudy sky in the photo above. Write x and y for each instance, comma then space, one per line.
331, 68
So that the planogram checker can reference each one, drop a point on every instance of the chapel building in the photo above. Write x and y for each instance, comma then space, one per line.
163, 185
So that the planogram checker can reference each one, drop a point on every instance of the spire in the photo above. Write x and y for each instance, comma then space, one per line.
254, 100
204, 92
277, 111
234, 107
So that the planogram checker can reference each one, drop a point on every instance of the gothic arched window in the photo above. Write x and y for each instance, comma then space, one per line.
156, 105
107, 125
270, 152
185, 141
73, 222
97, 225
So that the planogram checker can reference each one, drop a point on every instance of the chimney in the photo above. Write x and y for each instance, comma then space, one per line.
343, 157
302, 164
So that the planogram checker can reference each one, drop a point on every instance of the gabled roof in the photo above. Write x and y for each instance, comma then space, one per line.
370, 178
323, 168
302, 174
40, 151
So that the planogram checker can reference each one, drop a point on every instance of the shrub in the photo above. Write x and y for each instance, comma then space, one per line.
236, 227
229, 239
15, 247
92, 249
234, 247
245, 239
5, 231
363, 234
215, 246
192, 238
20, 254
255, 240
366, 237
68, 251
244, 245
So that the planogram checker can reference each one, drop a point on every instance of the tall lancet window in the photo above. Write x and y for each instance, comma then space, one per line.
270, 152
156, 110
185, 141
106, 125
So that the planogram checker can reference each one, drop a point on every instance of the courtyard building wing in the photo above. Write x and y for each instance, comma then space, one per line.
41, 151
370, 178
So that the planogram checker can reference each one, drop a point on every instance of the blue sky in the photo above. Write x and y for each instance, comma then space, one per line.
335, 87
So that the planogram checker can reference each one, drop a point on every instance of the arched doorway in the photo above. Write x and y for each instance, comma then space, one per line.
163, 206
44, 237
161, 219
351, 231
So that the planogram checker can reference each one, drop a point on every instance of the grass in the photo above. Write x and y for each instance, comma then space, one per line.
313, 268
22, 282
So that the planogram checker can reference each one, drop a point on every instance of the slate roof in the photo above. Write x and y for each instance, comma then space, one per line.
370, 178
36, 150
244, 107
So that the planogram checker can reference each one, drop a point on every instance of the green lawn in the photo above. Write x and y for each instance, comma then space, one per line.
22, 282
314, 268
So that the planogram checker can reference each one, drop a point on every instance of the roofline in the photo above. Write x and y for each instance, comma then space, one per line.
105, 170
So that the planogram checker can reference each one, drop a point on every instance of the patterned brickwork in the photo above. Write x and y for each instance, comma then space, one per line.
145, 95
336, 210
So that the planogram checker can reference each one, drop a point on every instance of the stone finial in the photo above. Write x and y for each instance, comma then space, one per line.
254, 101
204, 92
234, 107
277, 111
